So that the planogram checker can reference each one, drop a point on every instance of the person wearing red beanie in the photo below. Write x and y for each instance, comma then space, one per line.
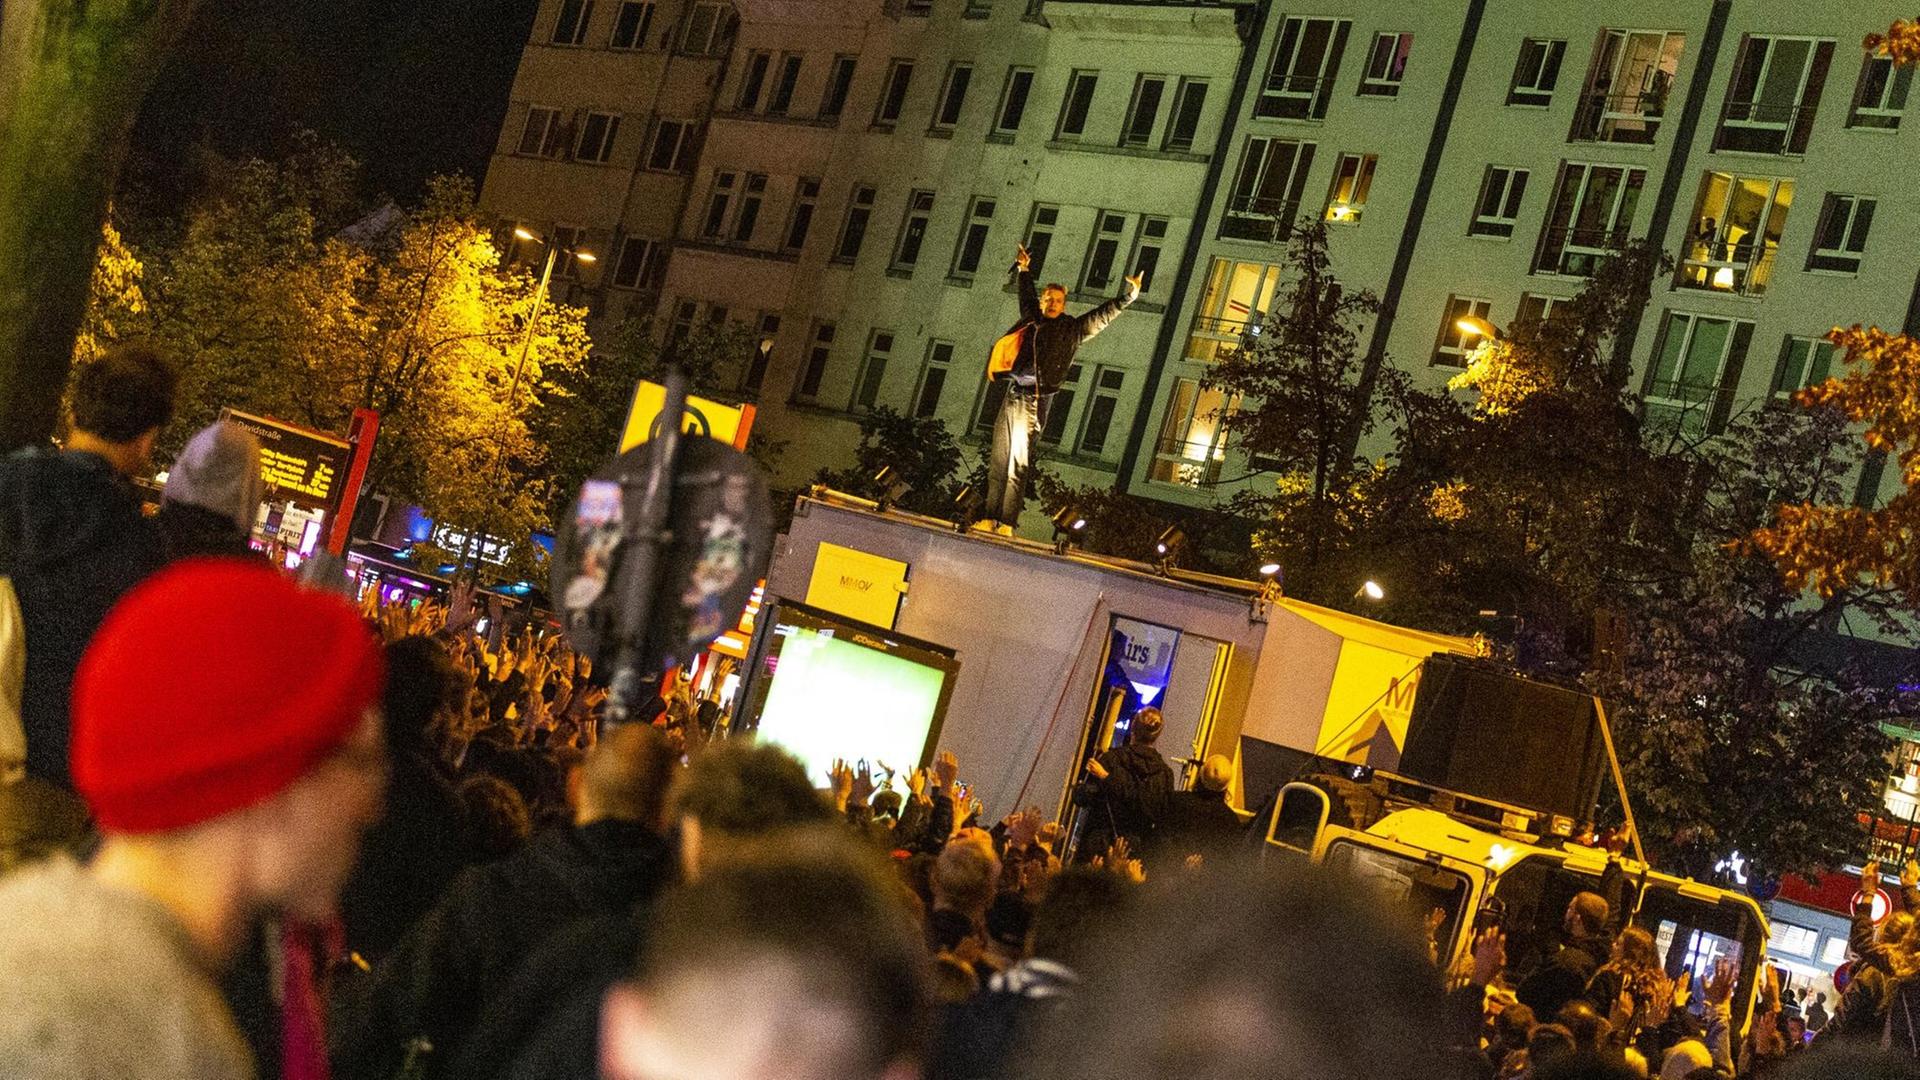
227, 739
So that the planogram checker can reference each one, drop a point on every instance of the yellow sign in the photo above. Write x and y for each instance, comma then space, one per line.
727, 423
860, 586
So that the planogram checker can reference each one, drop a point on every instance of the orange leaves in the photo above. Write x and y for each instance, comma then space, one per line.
1901, 41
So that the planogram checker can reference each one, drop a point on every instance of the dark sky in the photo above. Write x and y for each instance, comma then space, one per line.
410, 87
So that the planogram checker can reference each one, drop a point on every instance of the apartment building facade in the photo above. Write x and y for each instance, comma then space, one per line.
850, 178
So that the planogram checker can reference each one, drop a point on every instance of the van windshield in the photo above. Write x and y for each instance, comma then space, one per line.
1415, 887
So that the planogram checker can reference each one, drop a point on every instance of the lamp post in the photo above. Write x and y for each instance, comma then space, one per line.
474, 543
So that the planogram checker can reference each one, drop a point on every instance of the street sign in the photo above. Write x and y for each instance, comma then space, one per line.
728, 424
1882, 906
305, 467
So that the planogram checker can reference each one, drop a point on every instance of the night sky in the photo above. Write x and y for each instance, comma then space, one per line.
411, 88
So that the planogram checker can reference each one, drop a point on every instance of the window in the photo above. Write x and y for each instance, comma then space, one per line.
709, 28
1456, 343
1589, 217
1795, 940
1882, 94
596, 138
541, 135
1773, 95
953, 96
571, 27
782, 97
1352, 179
1107, 385
973, 238
1842, 234
752, 77
1737, 222
913, 229
1267, 189
1386, 65
756, 373
1191, 447
566, 239
630, 25
873, 371
672, 146
1696, 365
993, 394
1835, 953
839, 81
816, 369
1040, 236
1143, 113
1535, 308
1187, 106
1147, 245
719, 202
893, 93
1804, 362
1073, 112
1627, 86
641, 264
1060, 408
1013, 101
978, 9
749, 215
1233, 307
1109, 230
854, 229
919, 7
806, 193
683, 316
1537, 72
1306, 59
1499, 204
933, 379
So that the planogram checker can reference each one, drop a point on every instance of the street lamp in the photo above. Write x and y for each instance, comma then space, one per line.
1371, 590
1478, 327
519, 368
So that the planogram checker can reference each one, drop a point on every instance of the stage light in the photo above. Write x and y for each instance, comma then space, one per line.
1067, 521
890, 486
1268, 570
966, 507
1167, 545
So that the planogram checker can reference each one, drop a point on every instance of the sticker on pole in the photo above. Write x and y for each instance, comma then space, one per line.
718, 540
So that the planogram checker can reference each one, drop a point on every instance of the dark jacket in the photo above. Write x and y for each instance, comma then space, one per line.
546, 1024
1565, 976
187, 531
408, 858
981, 1038
73, 540
1051, 344
479, 935
1133, 800
1199, 822
1862, 1012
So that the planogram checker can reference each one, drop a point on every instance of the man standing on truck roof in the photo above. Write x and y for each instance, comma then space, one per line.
1033, 359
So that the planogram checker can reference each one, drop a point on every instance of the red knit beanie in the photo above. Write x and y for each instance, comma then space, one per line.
212, 686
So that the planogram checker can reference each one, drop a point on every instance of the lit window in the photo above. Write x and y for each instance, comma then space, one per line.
1456, 342
1352, 179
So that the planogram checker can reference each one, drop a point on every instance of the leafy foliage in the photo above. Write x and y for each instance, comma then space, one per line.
922, 451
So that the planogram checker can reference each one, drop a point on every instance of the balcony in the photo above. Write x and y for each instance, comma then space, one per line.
1266, 220
1187, 461
1739, 269
1755, 127
1686, 409
1630, 119
1291, 97
1577, 252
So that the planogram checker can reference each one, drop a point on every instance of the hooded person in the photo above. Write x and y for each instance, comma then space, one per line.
213, 494
1128, 790
230, 773
1201, 822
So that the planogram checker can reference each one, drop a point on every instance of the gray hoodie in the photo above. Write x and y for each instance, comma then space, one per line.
220, 471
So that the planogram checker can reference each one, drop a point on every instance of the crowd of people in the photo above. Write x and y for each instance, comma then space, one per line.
251, 829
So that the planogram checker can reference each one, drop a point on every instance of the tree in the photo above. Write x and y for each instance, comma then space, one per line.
1292, 392
410, 313
921, 451
73, 74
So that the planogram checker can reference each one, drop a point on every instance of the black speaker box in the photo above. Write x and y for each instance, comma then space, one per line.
1481, 730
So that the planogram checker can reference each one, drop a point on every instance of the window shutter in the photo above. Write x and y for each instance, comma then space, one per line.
1810, 101
1325, 93
1730, 378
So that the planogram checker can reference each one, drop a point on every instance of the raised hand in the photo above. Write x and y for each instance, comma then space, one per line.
1134, 285
917, 783
1910, 874
1023, 259
863, 786
1489, 955
842, 776
1870, 875
1719, 985
945, 768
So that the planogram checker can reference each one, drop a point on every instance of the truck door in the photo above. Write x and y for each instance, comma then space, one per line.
1415, 882
1693, 926
1297, 830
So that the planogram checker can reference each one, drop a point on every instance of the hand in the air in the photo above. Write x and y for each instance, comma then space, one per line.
1023, 259
1133, 287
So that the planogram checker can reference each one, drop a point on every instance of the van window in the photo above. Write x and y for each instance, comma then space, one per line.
1534, 894
1689, 935
1414, 886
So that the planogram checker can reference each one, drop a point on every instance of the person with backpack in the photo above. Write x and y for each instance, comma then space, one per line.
1128, 790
